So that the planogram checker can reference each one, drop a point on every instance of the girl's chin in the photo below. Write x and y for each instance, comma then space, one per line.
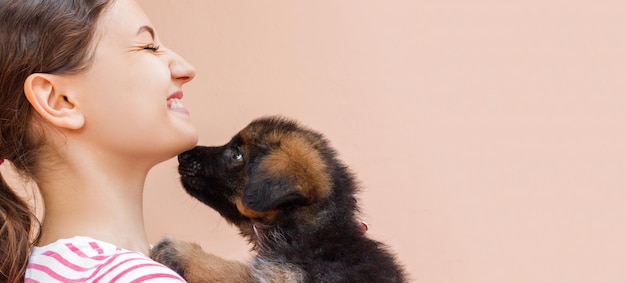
193, 140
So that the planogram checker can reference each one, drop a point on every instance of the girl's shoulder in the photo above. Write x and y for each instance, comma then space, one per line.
82, 259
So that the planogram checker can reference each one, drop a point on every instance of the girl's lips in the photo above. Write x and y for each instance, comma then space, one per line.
175, 104
176, 94
180, 110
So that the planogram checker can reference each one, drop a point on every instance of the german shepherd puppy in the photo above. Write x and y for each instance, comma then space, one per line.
284, 188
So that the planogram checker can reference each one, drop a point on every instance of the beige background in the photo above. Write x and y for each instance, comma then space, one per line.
489, 136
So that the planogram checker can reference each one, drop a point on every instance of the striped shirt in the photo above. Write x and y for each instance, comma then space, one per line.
82, 259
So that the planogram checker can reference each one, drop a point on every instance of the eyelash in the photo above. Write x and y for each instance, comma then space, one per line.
152, 47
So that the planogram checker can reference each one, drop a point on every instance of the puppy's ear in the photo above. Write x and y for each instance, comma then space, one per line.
291, 173
265, 191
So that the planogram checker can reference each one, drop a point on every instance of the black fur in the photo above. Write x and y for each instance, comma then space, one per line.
320, 240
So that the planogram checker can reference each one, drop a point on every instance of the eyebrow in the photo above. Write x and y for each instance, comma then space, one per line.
148, 29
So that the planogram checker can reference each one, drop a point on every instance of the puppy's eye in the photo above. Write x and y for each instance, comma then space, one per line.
237, 156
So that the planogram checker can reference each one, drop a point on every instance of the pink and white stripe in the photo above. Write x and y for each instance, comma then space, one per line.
82, 259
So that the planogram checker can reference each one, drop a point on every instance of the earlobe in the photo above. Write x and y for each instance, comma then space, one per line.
45, 94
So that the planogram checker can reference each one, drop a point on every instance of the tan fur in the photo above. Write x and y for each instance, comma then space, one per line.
202, 267
253, 214
297, 158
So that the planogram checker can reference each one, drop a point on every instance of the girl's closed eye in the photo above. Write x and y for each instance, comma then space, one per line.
152, 47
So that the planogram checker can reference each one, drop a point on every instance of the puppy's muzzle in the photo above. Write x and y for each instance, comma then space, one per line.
188, 165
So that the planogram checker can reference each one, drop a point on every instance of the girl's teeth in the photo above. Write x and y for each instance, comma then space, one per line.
175, 103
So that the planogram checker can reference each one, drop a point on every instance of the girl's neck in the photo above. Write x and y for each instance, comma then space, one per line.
95, 201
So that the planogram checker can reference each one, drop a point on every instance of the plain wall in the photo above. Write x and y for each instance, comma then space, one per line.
488, 136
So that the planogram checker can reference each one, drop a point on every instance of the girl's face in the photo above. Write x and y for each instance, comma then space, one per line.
131, 97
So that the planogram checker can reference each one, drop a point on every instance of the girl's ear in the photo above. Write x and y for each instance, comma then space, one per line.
46, 93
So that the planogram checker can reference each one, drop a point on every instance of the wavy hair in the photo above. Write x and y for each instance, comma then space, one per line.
36, 36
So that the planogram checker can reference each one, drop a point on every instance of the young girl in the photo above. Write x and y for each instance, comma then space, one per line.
90, 101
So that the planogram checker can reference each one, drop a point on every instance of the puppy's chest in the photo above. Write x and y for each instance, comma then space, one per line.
271, 270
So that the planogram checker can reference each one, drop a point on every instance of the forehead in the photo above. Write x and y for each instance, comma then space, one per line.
123, 19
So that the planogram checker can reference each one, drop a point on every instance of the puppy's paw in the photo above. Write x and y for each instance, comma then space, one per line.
168, 252
197, 266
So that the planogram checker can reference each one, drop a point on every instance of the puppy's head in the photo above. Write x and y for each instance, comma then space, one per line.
270, 168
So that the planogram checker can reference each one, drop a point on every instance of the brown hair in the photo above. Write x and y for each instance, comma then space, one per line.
36, 36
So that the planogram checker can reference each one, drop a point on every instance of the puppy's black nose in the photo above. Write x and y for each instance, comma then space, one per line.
184, 157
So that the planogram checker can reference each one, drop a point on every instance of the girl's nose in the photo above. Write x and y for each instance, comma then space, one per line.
181, 70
